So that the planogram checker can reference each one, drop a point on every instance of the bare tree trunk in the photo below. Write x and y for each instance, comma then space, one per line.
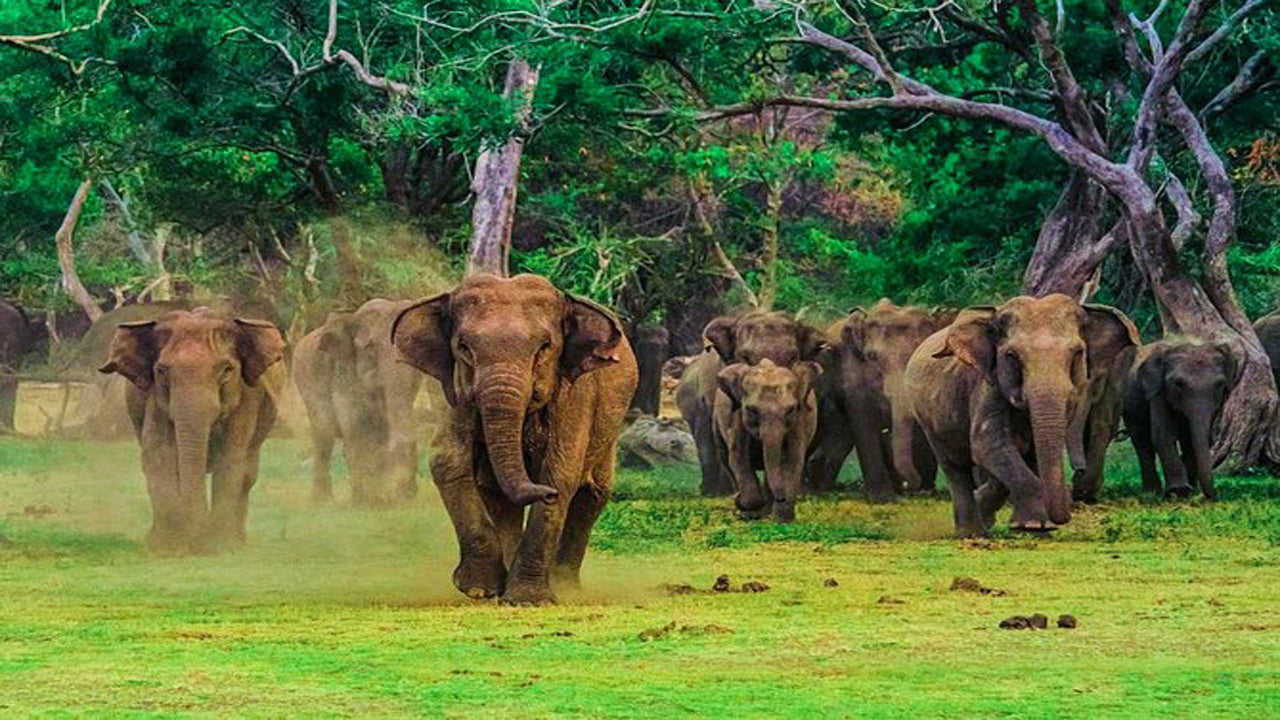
497, 178
137, 245
1073, 241
769, 264
66, 253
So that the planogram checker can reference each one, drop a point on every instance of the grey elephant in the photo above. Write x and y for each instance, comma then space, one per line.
1172, 402
1097, 418
202, 398
765, 417
356, 390
863, 401
749, 339
538, 383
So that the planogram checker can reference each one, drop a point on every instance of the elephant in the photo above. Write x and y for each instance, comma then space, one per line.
994, 393
1268, 329
15, 341
1097, 418
202, 398
650, 346
758, 335
1173, 399
356, 390
538, 383
863, 401
765, 418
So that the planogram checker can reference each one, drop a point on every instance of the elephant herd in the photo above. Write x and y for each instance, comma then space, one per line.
992, 395
536, 384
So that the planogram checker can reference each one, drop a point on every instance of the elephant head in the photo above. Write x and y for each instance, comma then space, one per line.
1193, 378
879, 342
771, 399
505, 346
196, 364
1035, 352
764, 335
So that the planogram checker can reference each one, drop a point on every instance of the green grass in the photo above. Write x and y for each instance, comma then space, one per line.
339, 611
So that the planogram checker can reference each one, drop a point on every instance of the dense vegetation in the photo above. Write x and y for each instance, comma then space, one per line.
227, 132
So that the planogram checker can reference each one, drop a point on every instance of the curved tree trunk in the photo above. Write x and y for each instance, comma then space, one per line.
1073, 241
67, 256
497, 178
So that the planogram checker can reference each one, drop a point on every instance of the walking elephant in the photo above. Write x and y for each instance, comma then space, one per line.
203, 394
650, 346
1172, 403
356, 390
749, 339
994, 393
1268, 329
15, 341
863, 401
538, 383
765, 417
1097, 417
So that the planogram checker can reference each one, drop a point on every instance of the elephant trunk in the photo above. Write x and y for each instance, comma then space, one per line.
1048, 410
1200, 418
903, 438
503, 399
772, 437
193, 419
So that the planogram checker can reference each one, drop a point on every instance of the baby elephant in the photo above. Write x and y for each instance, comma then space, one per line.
1172, 402
765, 417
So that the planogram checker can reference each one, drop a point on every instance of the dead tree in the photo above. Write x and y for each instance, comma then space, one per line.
67, 256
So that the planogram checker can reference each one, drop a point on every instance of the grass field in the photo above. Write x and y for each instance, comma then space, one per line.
339, 611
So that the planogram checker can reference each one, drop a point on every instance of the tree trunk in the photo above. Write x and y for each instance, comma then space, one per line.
1073, 241
497, 177
772, 228
66, 253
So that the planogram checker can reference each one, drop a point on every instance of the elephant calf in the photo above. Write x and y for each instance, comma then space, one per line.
1172, 402
765, 417
354, 389
203, 394
538, 383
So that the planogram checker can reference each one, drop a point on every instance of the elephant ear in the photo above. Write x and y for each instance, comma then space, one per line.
972, 340
335, 334
813, 343
1232, 367
421, 333
1107, 334
592, 337
807, 373
729, 381
259, 345
943, 316
1151, 374
854, 333
133, 353
720, 334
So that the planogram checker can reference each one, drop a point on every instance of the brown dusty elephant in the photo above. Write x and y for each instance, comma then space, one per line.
863, 401
994, 393
1097, 417
356, 390
649, 342
202, 400
765, 417
749, 339
1172, 404
538, 383
1268, 329
15, 341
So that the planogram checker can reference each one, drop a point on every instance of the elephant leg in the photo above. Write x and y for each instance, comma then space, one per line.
506, 516
877, 480
480, 572
751, 499
227, 495
925, 462
529, 581
714, 481
1102, 430
170, 522
1165, 434
963, 507
584, 510
322, 442
830, 448
250, 479
989, 498
8, 401
402, 432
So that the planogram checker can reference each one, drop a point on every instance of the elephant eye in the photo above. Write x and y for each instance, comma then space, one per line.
546, 345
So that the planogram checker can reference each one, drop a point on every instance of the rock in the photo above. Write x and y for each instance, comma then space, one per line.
1016, 622
754, 587
889, 600
1038, 621
721, 585
831, 582
1067, 622
658, 632
968, 584
679, 589
647, 442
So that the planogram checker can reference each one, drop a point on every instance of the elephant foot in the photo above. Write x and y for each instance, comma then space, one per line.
881, 497
970, 533
528, 594
784, 512
479, 579
754, 513
1035, 527
1085, 498
1179, 492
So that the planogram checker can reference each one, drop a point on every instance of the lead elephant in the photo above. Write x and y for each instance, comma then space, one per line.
15, 341
538, 383
749, 339
994, 393
356, 390
202, 400
1172, 403
863, 401
765, 417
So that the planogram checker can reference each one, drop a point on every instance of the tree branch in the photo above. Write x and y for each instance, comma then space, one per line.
36, 43
1223, 30
344, 57
1075, 106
